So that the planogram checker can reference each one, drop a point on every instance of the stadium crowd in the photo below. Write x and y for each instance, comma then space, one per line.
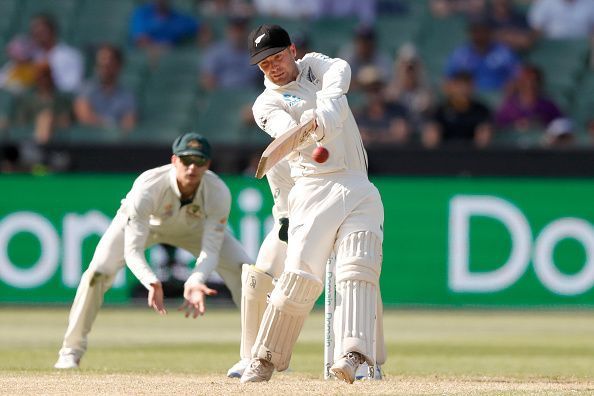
424, 72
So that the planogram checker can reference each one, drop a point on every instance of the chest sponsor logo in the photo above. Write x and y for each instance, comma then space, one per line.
167, 211
291, 100
195, 211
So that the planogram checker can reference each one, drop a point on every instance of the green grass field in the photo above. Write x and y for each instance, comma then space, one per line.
134, 351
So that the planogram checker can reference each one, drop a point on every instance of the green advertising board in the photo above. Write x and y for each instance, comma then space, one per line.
448, 241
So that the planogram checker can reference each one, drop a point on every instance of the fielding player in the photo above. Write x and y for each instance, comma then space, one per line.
182, 204
332, 207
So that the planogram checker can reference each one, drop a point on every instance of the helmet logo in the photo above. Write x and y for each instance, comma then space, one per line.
194, 144
259, 38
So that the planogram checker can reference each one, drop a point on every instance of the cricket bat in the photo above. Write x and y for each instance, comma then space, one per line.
283, 145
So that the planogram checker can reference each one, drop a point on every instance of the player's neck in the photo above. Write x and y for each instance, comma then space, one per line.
187, 191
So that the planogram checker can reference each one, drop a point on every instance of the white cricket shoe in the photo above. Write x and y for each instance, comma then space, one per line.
346, 367
67, 361
238, 368
259, 370
363, 372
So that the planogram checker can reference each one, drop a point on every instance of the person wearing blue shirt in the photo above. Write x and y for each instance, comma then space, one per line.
491, 64
157, 23
226, 63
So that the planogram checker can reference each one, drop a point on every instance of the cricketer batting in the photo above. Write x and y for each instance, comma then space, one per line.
332, 207
257, 280
182, 204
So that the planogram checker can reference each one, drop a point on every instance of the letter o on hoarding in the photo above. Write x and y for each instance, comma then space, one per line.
47, 263
544, 266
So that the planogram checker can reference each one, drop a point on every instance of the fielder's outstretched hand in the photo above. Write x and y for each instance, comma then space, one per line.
194, 299
155, 298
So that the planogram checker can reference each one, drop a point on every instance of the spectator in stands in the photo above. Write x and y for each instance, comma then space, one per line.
218, 8
491, 64
18, 74
380, 121
44, 107
103, 101
562, 19
364, 10
460, 117
559, 134
157, 25
447, 8
66, 62
226, 64
363, 52
409, 86
291, 9
526, 106
510, 27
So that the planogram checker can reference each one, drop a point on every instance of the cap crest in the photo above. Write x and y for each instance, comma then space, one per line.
259, 38
267, 40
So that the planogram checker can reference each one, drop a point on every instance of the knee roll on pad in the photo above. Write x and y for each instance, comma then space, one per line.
255, 287
290, 302
359, 257
358, 264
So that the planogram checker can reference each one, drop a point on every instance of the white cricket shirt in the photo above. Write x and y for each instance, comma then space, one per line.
155, 214
322, 85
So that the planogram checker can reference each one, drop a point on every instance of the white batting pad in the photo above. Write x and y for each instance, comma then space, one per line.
255, 286
358, 265
290, 302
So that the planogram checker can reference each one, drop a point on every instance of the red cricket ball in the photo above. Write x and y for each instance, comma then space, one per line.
320, 154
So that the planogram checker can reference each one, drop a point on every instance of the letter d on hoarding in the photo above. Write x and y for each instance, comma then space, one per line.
462, 208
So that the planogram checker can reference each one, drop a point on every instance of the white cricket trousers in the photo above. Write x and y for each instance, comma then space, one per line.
323, 210
109, 259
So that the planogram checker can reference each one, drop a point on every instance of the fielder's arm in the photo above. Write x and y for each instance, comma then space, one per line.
138, 207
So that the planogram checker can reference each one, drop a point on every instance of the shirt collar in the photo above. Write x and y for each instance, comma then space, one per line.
173, 182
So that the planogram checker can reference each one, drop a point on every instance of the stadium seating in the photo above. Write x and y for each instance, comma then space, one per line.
64, 11
220, 116
393, 32
563, 62
167, 90
437, 39
8, 10
583, 108
330, 34
104, 21
6, 103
